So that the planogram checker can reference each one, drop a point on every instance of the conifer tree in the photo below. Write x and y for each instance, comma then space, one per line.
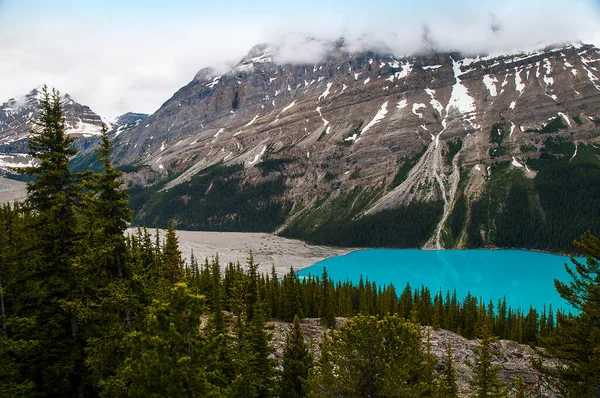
297, 360
486, 383
55, 199
107, 277
521, 389
327, 301
168, 356
171, 264
449, 386
368, 357
577, 339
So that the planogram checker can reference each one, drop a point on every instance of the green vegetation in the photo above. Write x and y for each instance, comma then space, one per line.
454, 147
408, 226
355, 174
499, 132
355, 130
217, 200
577, 119
527, 148
405, 168
330, 176
455, 222
273, 165
542, 213
577, 340
377, 358
486, 383
323, 135
553, 126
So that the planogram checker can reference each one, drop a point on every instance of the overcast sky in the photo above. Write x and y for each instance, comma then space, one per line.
118, 55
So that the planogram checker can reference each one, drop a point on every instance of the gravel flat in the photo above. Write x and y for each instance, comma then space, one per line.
268, 249
11, 190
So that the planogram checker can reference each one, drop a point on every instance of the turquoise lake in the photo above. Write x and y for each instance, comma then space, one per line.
525, 278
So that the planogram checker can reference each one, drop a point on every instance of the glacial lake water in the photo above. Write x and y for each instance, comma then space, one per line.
525, 278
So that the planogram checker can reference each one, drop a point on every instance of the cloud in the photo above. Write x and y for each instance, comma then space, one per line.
134, 63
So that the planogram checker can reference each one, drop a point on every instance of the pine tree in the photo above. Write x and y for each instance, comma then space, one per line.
486, 383
168, 356
171, 264
55, 199
449, 386
107, 278
327, 309
368, 357
521, 389
297, 360
577, 339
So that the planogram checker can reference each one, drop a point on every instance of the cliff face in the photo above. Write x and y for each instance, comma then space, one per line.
423, 129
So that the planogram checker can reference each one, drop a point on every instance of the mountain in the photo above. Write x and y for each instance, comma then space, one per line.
370, 149
17, 117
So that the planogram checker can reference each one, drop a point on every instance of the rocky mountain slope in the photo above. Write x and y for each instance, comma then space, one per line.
17, 117
364, 143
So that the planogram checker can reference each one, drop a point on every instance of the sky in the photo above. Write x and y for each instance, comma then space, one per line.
132, 55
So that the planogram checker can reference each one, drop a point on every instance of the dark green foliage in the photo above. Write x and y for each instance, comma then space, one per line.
497, 136
85, 162
235, 104
407, 165
273, 165
449, 387
55, 197
370, 357
408, 226
297, 361
577, 119
323, 135
456, 220
355, 174
129, 168
454, 147
355, 130
485, 383
542, 213
577, 338
527, 148
521, 390
329, 176
217, 200
554, 126
168, 357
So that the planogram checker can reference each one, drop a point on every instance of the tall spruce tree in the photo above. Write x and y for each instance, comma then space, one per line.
297, 361
55, 199
109, 300
449, 386
577, 339
168, 356
486, 383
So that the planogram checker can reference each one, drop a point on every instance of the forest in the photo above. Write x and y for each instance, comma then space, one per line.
88, 311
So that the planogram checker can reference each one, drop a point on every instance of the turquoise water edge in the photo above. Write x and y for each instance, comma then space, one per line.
525, 278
